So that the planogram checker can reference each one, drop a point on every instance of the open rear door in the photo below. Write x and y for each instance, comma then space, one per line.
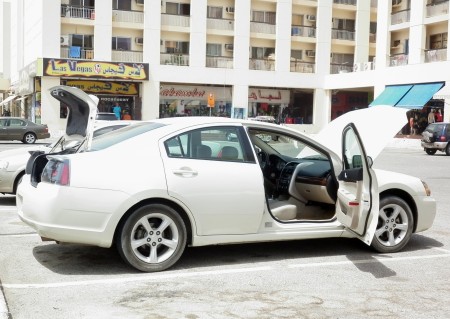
358, 201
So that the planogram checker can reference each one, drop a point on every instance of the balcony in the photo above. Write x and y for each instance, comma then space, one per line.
175, 20
398, 59
128, 16
220, 24
436, 9
336, 68
261, 27
262, 64
219, 62
76, 53
435, 55
77, 12
174, 59
127, 56
400, 16
303, 31
302, 67
343, 34
348, 2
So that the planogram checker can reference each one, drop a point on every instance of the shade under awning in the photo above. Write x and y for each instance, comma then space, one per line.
442, 94
419, 95
391, 95
8, 99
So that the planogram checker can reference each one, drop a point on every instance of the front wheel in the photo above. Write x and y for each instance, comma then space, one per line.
29, 138
447, 149
430, 151
152, 238
395, 225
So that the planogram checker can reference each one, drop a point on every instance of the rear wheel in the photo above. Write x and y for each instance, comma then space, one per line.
395, 225
430, 151
29, 138
152, 238
447, 149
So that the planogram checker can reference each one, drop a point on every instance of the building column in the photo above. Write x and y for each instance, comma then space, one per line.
197, 45
103, 30
240, 98
362, 32
283, 38
383, 35
50, 107
321, 108
241, 53
150, 95
417, 34
323, 36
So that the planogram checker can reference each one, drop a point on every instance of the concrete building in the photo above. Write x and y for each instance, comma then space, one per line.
303, 62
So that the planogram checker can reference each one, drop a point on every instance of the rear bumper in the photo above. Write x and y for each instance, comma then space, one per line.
435, 145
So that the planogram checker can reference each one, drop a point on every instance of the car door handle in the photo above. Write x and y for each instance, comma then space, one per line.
185, 172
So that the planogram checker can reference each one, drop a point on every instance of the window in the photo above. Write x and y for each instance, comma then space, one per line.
296, 54
124, 5
213, 49
183, 9
215, 12
344, 24
218, 144
264, 17
438, 41
261, 53
119, 43
16, 122
83, 3
177, 47
85, 41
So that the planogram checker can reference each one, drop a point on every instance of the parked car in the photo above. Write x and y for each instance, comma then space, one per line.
103, 116
13, 161
436, 137
154, 187
19, 129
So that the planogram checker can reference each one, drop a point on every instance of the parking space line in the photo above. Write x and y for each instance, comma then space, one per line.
442, 249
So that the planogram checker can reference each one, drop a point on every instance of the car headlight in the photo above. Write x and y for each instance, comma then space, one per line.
4, 164
427, 189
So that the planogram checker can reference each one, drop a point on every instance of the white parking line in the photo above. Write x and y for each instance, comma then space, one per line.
159, 276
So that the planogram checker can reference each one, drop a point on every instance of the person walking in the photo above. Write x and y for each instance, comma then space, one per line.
431, 118
117, 110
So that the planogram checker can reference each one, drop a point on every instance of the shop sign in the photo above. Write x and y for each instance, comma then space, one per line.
269, 96
211, 100
95, 69
184, 92
104, 87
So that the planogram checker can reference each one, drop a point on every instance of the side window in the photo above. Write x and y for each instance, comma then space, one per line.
16, 122
218, 144
3, 122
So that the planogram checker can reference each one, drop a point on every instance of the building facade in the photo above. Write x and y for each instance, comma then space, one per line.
302, 62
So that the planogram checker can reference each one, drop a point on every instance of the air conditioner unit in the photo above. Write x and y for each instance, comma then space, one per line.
140, 2
310, 17
230, 9
139, 40
64, 40
229, 47
310, 53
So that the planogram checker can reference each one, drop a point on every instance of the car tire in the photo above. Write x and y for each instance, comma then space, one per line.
29, 138
395, 225
447, 149
430, 151
152, 238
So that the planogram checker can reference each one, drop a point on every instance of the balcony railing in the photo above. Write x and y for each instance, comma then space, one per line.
77, 12
262, 64
400, 16
220, 24
128, 16
260, 27
127, 56
219, 62
83, 54
336, 68
435, 55
398, 59
349, 2
302, 67
343, 34
303, 31
175, 20
174, 59
436, 9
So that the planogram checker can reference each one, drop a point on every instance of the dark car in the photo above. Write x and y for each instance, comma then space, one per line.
102, 116
436, 137
19, 129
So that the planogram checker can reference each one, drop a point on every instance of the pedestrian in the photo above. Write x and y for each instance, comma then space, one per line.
117, 110
438, 116
412, 128
431, 118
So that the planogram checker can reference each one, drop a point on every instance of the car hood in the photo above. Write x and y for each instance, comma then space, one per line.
376, 125
82, 109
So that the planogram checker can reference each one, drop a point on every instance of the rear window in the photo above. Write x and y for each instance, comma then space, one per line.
435, 128
120, 135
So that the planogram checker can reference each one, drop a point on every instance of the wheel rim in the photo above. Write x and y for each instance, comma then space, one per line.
392, 225
29, 138
154, 238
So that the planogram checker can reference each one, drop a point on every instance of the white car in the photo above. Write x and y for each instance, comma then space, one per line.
181, 181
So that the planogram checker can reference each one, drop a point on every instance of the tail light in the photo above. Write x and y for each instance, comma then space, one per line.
57, 171
443, 138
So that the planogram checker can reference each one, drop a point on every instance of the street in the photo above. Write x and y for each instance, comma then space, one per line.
324, 278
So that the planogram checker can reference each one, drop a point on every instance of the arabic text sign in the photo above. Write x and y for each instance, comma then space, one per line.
95, 69
107, 87
268, 96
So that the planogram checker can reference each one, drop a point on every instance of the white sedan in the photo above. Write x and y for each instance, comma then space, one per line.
157, 186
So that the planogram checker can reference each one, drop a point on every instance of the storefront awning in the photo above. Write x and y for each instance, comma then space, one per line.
410, 96
442, 94
391, 95
419, 95
8, 99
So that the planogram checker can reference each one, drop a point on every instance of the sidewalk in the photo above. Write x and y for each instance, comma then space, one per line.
405, 141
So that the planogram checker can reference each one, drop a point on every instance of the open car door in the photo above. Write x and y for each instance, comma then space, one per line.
357, 206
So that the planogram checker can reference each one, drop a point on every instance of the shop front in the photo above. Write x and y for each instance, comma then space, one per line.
268, 103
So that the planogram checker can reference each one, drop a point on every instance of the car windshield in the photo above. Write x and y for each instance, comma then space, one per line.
117, 136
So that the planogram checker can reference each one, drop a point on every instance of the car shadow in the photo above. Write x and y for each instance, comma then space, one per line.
7, 200
74, 259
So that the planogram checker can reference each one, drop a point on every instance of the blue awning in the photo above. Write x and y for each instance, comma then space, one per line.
391, 95
419, 95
